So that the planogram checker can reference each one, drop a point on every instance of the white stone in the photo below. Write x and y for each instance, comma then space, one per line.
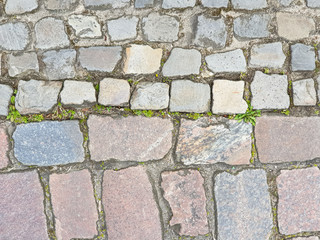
123, 28
14, 36
20, 6
304, 93
77, 93
22, 63
85, 26
114, 92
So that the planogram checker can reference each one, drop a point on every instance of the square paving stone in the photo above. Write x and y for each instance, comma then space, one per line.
303, 57
13, 7
25, 63
74, 206
5, 93
130, 208
85, 26
304, 92
114, 92
78, 93
167, 4
14, 36
243, 205
21, 207
48, 143
4, 146
298, 207
123, 28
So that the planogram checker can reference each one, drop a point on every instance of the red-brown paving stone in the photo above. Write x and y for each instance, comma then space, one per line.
73, 205
299, 200
130, 138
4, 145
21, 207
131, 211
185, 193
286, 139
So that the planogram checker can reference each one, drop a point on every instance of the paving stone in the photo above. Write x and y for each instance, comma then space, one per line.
102, 59
27, 62
303, 57
188, 96
142, 59
304, 93
249, 26
50, 33
20, 6
285, 3
294, 26
123, 28
143, 3
78, 93
298, 207
85, 26
59, 64
106, 3
4, 146
21, 207
114, 92
184, 191
249, 4
270, 91
153, 96
14, 36
182, 62
128, 202
243, 205
48, 143
129, 139
210, 32
283, 139
178, 3
36, 96
215, 3
74, 205
228, 97
5, 93
267, 55
63, 5
306, 238
230, 141
232, 61
313, 3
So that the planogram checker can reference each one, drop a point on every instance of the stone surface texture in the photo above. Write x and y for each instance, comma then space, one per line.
77, 93
106, 3
20, 6
249, 5
215, 3
123, 28
304, 92
14, 36
4, 146
285, 3
85, 26
249, 26
303, 57
313, 3
27, 62
230, 141
129, 139
5, 93
61, 5
143, 3
48, 143
167, 4
114, 92
128, 202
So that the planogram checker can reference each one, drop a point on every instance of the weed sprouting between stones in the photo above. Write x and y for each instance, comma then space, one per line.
249, 116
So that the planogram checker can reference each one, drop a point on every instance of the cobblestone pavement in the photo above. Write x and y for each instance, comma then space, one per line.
149, 119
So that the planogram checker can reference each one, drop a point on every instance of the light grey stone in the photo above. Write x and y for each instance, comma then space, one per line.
50, 33
178, 3
318, 90
114, 92
22, 63
63, 5
303, 57
98, 4
243, 205
182, 62
5, 93
14, 36
37, 96
143, 3
249, 4
188, 96
304, 93
215, 3
153, 96
210, 32
102, 59
20, 6
78, 93
313, 3
229, 141
270, 91
85, 26
285, 3
59, 64
249, 26
123, 28
267, 55
233, 61
160, 28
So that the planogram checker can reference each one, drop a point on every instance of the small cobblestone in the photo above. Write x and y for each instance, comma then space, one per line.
249, 5
106, 4
62, 5
123, 28
215, 3
5, 93
143, 3
78, 93
150, 96
243, 205
25, 63
167, 4
249, 26
48, 143
85, 26
313, 3
128, 202
230, 142
185, 194
304, 93
188, 96
114, 92
303, 57
20, 6
4, 146
14, 36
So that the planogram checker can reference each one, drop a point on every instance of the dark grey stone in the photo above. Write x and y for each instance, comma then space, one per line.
303, 58
249, 26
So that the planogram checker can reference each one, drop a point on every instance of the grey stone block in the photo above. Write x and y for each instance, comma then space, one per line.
178, 3
304, 92
27, 62
114, 92
85, 26
303, 57
123, 28
215, 3
285, 3
143, 3
78, 93
249, 4
14, 36
20, 6
61, 5
5, 93
313, 3
249, 26
98, 4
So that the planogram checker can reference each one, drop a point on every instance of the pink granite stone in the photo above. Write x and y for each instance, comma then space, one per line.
74, 205
4, 147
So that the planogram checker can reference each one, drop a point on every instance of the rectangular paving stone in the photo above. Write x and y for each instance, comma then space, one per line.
303, 57
298, 206
287, 139
215, 3
130, 208
78, 93
313, 3
25, 63
74, 205
5, 93
249, 26
167, 4
62, 5
230, 141
21, 207
85, 26
123, 28
48, 143
143, 3
249, 4
4, 146
129, 139
243, 205
13, 7
185, 193
114, 92
304, 92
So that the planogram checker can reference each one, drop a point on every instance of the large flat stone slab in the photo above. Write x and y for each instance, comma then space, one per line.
14, 36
